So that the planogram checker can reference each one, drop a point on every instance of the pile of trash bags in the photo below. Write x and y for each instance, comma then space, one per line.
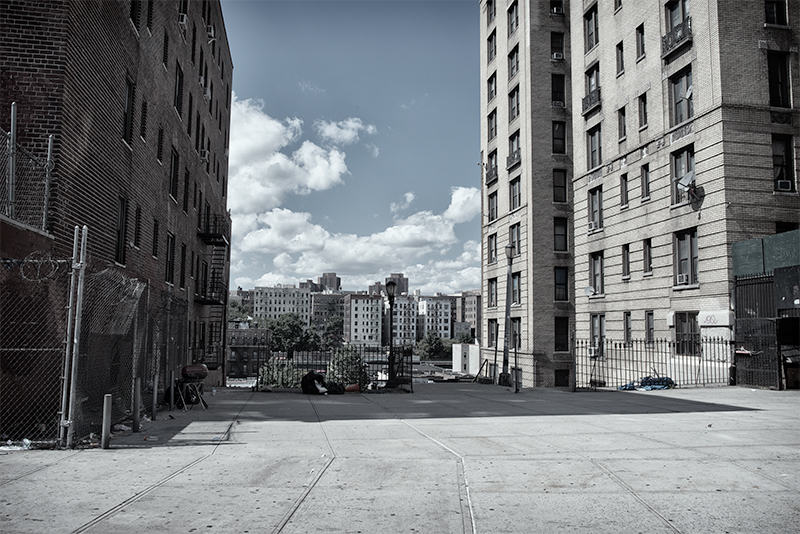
314, 384
649, 383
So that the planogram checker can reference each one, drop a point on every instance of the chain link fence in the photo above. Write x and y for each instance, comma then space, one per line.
24, 196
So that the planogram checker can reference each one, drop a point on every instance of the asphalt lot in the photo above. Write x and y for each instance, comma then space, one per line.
462, 458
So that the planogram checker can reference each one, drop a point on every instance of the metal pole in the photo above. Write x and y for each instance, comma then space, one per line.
12, 161
137, 400
48, 169
106, 435
392, 370
516, 364
76, 339
505, 378
68, 349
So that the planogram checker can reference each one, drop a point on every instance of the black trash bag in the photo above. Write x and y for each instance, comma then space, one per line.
335, 388
313, 384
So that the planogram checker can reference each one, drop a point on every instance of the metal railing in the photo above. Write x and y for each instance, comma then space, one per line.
680, 34
591, 101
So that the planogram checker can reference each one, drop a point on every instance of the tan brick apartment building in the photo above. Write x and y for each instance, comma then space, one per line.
684, 128
526, 175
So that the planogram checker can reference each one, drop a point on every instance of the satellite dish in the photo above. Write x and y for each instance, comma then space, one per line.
589, 291
686, 181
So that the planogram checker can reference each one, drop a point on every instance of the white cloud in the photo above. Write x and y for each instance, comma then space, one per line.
408, 198
261, 176
465, 204
344, 132
373, 148
310, 87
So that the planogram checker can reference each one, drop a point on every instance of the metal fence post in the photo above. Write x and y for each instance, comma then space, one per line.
106, 436
77, 338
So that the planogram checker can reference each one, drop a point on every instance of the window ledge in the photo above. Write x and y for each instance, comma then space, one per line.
620, 73
638, 59
622, 139
685, 287
645, 199
777, 26
599, 296
642, 128
626, 278
647, 274
623, 206
785, 193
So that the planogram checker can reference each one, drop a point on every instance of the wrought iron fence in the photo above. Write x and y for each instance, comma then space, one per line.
373, 368
614, 364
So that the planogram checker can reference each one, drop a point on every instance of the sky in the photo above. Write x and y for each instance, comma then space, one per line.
355, 142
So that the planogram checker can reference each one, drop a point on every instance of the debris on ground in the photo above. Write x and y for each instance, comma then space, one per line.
649, 383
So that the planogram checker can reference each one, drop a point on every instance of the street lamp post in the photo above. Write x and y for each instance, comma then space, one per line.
505, 377
391, 287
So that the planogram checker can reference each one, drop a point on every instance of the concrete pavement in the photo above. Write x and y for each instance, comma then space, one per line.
461, 458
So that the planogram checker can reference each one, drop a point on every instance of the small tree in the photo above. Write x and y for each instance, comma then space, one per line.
465, 338
348, 367
431, 347
334, 333
289, 334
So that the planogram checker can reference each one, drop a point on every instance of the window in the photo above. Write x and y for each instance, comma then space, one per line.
647, 256
594, 154
682, 173
516, 287
178, 100
514, 238
492, 120
681, 94
621, 129
122, 230
492, 292
165, 49
143, 121
186, 191
559, 137
590, 28
627, 328
491, 170
560, 234
493, 206
559, 185
686, 258
782, 163
183, 266
596, 272
492, 243
513, 18
561, 328
173, 174
514, 150
677, 13
623, 190
155, 239
492, 333
558, 89
687, 334
127, 114
778, 76
169, 271
160, 147
642, 110
513, 104
595, 209
617, 4
598, 331
775, 12
136, 12
593, 78
640, 42
649, 327
516, 333
645, 179
620, 58
491, 9
626, 261
137, 227
515, 193
557, 45
491, 46
491, 86
561, 283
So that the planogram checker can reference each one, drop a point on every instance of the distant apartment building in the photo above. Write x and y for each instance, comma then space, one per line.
468, 310
247, 348
526, 155
404, 321
272, 302
363, 319
323, 307
402, 285
434, 314
330, 282
685, 130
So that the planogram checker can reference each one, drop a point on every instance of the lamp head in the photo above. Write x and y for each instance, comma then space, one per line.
391, 288
509, 251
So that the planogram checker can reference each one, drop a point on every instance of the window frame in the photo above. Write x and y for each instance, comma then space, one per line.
682, 162
491, 120
516, 287
642, 102
594, 147
597, 272
515, 238
626, 261
121, 244
622, 126
560, 223
779, 79
644, 177
513, 62
558, 175
514, 104
620, 58
681, 105
558, 88
491, 243
624, 190
492, 292
783, 162
591, 36
491, 86
647, 256
492, 206
512, 13
687, 333
491, 46
515, 194
561, 331
641, 51
559, 142
686, 253
777, 16
561, 284
595, 202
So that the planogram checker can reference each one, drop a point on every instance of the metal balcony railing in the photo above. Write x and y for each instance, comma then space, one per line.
591, 101
491, 175
680, 34
214, 230
515, 158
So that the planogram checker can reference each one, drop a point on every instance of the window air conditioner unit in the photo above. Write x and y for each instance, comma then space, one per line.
592, 226
558, 11
204, 154
558, 55
183, 21
783, 185
558, 104
210, 31
683, 279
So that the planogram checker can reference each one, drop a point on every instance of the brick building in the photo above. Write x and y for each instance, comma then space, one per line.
685, 144
526, 175
363, 319
137, 96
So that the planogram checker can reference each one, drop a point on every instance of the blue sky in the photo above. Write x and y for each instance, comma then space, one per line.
355, 141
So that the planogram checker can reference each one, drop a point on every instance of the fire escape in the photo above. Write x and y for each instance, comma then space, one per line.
212, 287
